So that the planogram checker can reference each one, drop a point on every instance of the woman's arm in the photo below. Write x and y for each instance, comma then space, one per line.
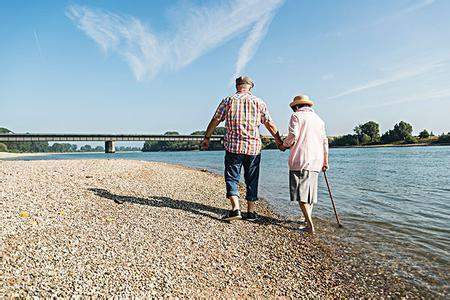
293, 132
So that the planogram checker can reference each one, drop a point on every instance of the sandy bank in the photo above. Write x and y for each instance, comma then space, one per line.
61, 234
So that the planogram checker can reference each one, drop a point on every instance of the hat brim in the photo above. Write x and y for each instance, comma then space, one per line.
300, 102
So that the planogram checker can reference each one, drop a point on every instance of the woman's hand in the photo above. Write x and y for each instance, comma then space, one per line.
281, 146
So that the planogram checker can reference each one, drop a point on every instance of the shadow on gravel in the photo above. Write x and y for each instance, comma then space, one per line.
211, 212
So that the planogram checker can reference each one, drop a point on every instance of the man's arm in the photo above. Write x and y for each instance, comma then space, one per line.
266, 119
209, 131
272, 128
218, 117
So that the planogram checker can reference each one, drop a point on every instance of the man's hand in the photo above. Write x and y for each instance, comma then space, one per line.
281, 147
205, 143
325, 166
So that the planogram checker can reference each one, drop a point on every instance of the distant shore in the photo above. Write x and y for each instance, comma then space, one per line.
8, 155
63, 234
394, 145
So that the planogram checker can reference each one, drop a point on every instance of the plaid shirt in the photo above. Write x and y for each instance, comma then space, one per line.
242, 113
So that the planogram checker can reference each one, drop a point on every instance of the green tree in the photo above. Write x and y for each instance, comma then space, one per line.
345, 140
4, 130
372, 130
388, 137
27, 146
220, 131
86, 148
217, 131
403, 130
400, 132
444, 138
424, 134
410, 139
62, 147
365, 139
3, 148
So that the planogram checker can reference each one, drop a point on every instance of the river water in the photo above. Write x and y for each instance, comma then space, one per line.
393, 201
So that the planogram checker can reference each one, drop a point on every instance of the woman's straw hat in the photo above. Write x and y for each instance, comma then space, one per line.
301, 99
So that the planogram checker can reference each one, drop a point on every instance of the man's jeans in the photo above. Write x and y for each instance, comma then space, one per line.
233, 165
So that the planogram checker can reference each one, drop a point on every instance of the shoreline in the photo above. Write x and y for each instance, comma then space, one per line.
166, 240
7, 155
392, 146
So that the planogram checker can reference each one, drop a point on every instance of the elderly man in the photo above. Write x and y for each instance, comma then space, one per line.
309, 155
243, 113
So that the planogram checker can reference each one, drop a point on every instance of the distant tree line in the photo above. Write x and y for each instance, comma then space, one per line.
369, 134
128, 148
150, 146
154, 146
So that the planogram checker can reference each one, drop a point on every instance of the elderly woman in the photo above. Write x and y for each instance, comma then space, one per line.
308, 144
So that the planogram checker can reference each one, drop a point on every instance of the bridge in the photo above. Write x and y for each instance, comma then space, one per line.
109, 139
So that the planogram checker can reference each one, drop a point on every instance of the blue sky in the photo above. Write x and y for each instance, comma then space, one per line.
155, 66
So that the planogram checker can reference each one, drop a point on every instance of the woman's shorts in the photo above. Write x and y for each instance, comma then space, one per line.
303, 186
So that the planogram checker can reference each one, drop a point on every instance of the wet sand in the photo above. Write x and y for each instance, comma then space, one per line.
62, 234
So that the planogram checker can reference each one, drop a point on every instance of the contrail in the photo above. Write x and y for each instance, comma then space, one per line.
38, 44
251, 44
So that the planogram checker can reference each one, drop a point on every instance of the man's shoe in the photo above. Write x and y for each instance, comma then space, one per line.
232, 215
252, 216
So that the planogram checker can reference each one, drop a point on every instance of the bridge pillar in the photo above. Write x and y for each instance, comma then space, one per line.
110, 147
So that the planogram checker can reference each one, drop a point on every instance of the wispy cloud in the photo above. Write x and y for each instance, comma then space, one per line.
386, 18
38, 44
199, 30
393, 77
417, 5
123, 34
436, 94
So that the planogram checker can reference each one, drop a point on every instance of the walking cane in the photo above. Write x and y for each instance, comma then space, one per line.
332, 201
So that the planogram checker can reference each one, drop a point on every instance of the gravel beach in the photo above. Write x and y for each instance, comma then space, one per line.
62, 234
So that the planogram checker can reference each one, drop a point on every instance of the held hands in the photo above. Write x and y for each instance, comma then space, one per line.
280, 145
205, 143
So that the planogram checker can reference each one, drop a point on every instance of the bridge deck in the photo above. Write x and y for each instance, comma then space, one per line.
32, 137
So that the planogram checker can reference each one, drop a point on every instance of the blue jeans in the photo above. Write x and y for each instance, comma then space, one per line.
233, 165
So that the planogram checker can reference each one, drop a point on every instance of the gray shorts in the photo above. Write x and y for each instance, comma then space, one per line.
303, 186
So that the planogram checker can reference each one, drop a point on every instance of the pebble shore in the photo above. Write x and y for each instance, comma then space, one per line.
62, 235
